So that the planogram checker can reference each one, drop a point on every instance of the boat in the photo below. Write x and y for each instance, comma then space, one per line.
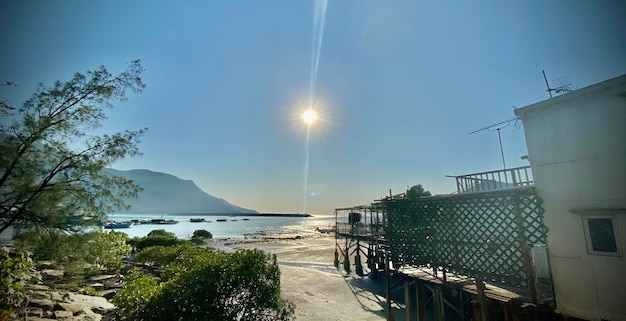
246, 219
162, 221
196, 220
221, 220
113, 224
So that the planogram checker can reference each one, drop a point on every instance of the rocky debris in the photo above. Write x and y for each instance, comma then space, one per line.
108, 294
63, 315
43, 304
96, 286
46, 304
50, 274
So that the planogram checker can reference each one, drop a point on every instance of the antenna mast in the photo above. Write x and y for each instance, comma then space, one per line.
563, 87
497, 127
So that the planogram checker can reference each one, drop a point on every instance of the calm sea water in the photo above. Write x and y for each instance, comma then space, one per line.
234, 227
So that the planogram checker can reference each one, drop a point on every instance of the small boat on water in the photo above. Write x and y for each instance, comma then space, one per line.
196, 220
221, 220
246, 219
113, 224
162, 221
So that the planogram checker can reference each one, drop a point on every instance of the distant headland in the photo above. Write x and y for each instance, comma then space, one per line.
246, 214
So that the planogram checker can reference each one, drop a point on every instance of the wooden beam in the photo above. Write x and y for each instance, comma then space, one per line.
407, 299
482, 301
438, 303
420, 292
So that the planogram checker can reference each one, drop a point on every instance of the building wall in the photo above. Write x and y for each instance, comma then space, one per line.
577, 150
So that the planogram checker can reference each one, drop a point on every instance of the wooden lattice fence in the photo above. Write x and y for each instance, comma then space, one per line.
484, 235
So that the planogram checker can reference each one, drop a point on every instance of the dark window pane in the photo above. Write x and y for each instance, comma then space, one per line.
602, 235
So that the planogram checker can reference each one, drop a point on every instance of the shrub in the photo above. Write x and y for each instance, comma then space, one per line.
14, 276
158, 238
99, 249
203, 234
201, 284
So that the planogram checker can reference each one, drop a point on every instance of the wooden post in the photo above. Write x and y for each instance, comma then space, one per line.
438, 303
388, 286
421, 300
482, 301
407, 299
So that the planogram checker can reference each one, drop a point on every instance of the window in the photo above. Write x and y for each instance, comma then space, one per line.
602, 234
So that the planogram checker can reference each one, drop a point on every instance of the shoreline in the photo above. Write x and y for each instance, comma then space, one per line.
310, 280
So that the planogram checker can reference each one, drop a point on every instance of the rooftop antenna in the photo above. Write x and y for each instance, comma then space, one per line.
497, 127
561, 88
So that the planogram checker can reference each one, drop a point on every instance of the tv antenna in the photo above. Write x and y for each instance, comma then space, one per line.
561, 88
497, 127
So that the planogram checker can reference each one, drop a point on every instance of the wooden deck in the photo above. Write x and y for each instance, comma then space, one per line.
464, 283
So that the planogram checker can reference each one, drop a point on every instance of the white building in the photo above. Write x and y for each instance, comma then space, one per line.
577, 151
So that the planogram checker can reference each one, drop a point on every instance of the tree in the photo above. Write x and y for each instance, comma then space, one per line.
416, 191
51, 163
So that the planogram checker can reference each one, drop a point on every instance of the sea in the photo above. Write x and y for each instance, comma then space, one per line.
228, 226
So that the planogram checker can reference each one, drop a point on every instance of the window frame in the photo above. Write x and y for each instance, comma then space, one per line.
604, 214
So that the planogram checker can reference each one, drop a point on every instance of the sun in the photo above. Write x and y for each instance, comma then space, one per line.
309, 116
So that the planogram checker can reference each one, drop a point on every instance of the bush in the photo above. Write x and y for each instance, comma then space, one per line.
99, 249
203, 234
157, 238
14, 276
201, 284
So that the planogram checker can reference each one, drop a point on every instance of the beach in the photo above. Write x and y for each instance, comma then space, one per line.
309, 279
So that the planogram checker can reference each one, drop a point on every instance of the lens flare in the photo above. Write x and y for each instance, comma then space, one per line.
309, 116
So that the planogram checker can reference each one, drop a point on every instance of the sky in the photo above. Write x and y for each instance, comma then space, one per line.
399, 85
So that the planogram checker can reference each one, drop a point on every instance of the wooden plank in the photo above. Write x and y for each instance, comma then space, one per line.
482, 301
407, 299
420, 292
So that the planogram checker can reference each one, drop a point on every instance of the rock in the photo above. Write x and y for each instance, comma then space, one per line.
96, 285
40, 295
70, 307
44, 304
61, 314
95, 303
88, 317
64, 296
98, 278
42, 265
52, 274
34, 312
39, 319
108, 294
37, 287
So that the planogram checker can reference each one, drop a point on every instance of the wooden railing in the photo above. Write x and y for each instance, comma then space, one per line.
495, 180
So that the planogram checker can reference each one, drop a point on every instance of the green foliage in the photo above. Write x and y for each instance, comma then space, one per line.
161, 233
14, 276
161, 255
138, 292
202, 284
51, 164
417, 191
77, 252
204, 234
157, 238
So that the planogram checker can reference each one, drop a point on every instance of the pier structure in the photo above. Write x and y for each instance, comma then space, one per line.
476, 254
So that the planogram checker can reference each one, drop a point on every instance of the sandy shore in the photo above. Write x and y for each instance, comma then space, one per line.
309, 279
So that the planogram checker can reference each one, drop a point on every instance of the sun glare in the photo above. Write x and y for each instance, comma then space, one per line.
309, 116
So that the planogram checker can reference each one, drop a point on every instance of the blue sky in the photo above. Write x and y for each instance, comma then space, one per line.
400, 84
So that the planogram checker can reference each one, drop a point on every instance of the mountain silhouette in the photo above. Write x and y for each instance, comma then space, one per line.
167, 194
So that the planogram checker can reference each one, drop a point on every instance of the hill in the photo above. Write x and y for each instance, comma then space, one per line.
166, 194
